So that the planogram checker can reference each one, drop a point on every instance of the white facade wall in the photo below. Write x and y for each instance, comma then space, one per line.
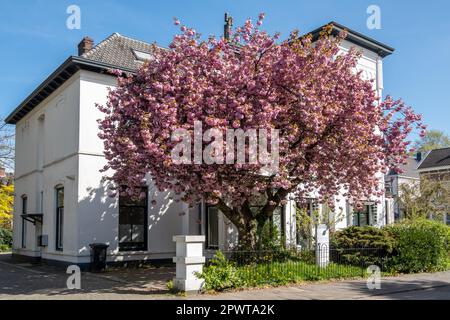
46, 150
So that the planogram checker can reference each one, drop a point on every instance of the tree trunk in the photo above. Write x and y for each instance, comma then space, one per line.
248, 236
249, 226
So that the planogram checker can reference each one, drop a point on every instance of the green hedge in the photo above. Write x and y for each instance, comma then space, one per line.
362, 246
411, 246
5, 239
421, 246
363, 237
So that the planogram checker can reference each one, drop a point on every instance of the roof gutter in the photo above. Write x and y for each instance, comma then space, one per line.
357, 38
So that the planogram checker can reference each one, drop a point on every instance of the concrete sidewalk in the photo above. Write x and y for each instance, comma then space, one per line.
417, 286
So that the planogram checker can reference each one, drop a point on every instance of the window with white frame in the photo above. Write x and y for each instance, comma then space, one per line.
365, 216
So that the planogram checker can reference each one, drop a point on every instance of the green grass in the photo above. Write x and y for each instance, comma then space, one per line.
5, 248
279, 273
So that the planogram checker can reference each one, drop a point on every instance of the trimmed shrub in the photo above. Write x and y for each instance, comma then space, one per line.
363, 237
362, 246
421, 246
5, 239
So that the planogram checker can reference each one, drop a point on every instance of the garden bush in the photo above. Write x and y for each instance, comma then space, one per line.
5, 239
220, 273
363, 237
362, 246
420, 246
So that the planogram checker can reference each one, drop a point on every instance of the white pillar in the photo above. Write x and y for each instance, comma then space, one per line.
322, 245
189, 260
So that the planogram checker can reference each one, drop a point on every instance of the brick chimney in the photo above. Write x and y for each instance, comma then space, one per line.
85, 45
2, 173
227, 27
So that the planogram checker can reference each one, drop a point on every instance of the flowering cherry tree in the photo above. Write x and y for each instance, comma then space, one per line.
335, 135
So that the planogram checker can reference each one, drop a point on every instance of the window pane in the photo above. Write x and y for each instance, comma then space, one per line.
213, 227
24, 205
355, 219
277, 219
132, 223
59, 218
124, 233
24, 233
60, 197
363, 219
60, 227
133, 201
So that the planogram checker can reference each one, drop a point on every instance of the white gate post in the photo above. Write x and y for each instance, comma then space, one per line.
322, 245
189, 260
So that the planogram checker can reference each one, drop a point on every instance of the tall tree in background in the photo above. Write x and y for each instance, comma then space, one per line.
327, 116
6, 146
6, 205
433, 139
427, 198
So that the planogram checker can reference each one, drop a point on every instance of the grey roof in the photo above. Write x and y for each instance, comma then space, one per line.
436, 158
117, 50
357, 38
408, 170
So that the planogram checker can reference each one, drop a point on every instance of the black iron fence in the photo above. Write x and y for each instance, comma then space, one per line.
288, 265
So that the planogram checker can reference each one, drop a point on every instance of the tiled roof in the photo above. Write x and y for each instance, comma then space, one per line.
409, 169
117, 50
436, 158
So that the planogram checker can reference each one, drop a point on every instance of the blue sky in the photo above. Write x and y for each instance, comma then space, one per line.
34, 39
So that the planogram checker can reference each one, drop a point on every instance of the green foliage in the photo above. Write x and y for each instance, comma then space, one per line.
220, 274
427, 198
6, 205
363, 237
418, 245
304, 226
421, 246
270, 237
5, 239
277, 268
362, 246
434, 139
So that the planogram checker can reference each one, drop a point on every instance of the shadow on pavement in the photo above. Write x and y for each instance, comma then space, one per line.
20, 278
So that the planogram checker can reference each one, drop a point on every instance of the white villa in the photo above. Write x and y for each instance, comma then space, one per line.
61, 204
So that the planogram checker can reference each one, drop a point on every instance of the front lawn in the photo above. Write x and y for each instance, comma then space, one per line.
280, 273
223, 273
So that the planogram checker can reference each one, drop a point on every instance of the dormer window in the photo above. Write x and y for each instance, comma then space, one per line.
142, 56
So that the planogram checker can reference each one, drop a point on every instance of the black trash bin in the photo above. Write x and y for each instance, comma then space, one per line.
98, 257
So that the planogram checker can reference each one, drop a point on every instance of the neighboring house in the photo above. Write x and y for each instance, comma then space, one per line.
61, 203
436, 166
394, 181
